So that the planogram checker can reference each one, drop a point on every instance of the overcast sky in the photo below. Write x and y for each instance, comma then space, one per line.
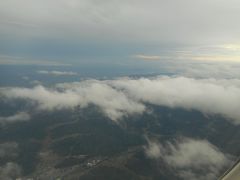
113, 31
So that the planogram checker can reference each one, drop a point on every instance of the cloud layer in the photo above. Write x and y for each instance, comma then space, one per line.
113, 103
155, 20
125, 96
58, 73
209, 96
192, 159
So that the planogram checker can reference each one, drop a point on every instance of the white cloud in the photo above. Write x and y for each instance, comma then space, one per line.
192, 159
113, 103
18, 117
58, 73
147, 57
210, 96
126, 96
204, 54
35, 82
153, 150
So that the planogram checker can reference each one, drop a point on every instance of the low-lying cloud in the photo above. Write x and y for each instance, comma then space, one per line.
112, 102
58, 73
126, 96
209, 96
192, 159
18, 117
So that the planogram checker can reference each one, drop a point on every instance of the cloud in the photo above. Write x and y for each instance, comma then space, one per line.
10, 171
35, 82
88, 29
26, 78
153, 150
205, 70
192, 159
57, 73
232, 47
15, 60
147, 57
215, 58
220, 53
123, 20
18, 117
209, 96
126, 96
182, 66
113, 103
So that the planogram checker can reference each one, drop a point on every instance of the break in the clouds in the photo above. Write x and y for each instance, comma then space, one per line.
58, 73
18, 117
190, 157
126, 96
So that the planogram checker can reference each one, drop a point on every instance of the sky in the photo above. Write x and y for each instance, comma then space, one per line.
126, 32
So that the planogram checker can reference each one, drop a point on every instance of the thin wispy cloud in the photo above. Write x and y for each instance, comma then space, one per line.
147, 57
18, 117
13, 60
217, 53
58, 73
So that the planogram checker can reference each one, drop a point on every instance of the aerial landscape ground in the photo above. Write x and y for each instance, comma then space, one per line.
72, 130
